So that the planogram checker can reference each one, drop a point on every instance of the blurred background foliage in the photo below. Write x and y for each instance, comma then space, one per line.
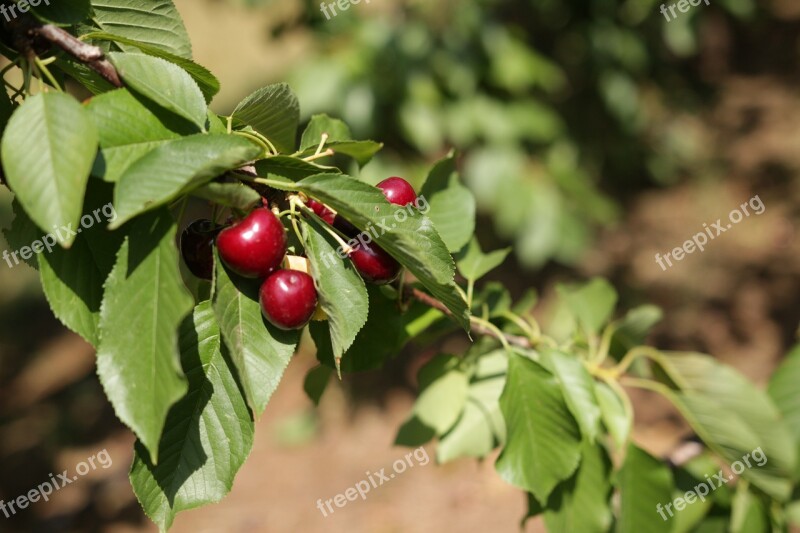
562, 109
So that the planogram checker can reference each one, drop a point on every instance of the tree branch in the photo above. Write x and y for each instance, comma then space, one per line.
91, 56
480, 329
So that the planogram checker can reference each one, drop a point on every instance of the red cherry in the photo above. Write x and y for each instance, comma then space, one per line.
288, 299
345, 226
321, 211
196, 247
254, 247
374, 264
398, 191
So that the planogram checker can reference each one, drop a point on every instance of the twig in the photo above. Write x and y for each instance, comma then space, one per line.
92, 56
477, 327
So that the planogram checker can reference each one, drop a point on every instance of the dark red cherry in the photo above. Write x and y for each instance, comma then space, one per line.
345, 226
374, 264
254, 247
321, 211
398, 191
288, 299
196, 247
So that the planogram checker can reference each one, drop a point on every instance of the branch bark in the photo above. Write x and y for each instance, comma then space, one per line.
91, 56
480, 329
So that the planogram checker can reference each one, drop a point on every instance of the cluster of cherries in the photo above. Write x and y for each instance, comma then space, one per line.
255, 248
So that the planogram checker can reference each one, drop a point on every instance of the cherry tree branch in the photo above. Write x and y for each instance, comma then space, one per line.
91, 56
480, 329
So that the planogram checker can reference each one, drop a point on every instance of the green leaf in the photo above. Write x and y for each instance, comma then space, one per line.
537, 418
316, 382
290, 168
164, 83
323, 124
688, 478
23, 232
633, 329
382, 337
127, 131
582, 502
145, 303
732, 417
260, 351
480, 427
645, 486
234, 195
206, 81
62, 12
411, 239
578, 389
339, 139
783, 391
47, 151
342, 293
414, 433
84, 75
443, 393
613, 414
361, 151
73, 279
274, 112
749, 513
494, 298
176, 168
474, 264
592, 303
209, 432
452, 206
155, 22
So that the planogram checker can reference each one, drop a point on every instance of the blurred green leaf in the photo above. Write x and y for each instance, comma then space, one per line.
537, 418
645, 486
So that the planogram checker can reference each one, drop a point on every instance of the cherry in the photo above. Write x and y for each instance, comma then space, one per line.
374, 264
196, 249
254, 247
321, 211
345, 226
398, 191
288, 299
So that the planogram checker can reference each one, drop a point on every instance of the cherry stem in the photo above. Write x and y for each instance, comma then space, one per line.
321, 144
42, 66
346, 248
293, 201
314, 157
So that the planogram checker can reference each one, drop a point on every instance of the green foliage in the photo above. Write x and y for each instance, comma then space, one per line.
260, 351
164, 83
188, 371
342, 293
143, 305
157, 23
47, 151
210, 430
